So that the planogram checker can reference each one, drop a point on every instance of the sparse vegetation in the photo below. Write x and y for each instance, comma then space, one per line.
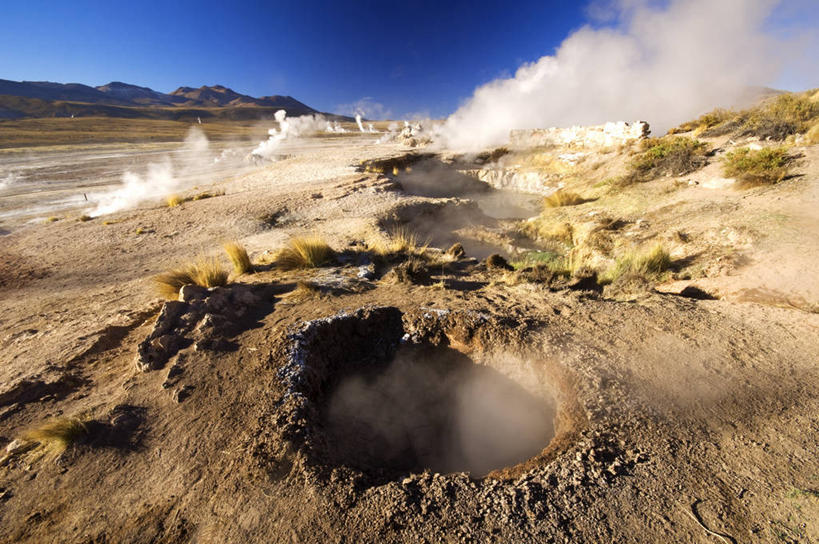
704, 122
775, 119
304, 290
206, 194
83, 218
304, 252
757, 167
205, 272
557, 237
401, 240
413, 270
562, 197
139, 230
668, 156
52, 219
649, 265
812, 135
58, 434
238, 256
174, 200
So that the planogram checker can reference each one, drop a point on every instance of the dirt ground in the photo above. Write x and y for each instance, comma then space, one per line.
676, 419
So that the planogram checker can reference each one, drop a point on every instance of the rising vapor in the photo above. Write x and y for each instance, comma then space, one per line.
663, 65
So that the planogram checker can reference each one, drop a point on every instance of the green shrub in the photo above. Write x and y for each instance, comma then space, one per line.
674, 156
757, 167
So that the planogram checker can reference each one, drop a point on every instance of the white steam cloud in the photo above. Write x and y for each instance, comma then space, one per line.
291, 128
192, 164
662, 65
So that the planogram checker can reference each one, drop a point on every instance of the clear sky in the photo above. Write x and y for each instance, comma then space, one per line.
410, 56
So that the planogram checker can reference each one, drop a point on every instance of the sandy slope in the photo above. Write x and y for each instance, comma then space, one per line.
669, 407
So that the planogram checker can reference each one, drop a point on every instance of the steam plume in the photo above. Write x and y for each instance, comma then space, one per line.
192, 164
662, 65
293, 127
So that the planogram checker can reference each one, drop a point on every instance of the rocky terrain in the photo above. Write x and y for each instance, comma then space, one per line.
633, 360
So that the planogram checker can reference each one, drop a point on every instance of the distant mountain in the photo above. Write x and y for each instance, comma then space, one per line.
20, 99
137, 95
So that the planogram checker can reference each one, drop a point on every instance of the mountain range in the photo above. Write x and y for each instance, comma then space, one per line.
20, 99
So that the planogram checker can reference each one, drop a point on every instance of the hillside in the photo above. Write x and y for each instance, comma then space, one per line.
116, 99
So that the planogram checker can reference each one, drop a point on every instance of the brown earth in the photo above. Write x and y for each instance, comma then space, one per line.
677, 419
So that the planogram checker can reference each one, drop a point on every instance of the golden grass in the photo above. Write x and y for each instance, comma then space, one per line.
205, 272
812, 135
140, 230
174, 200
304, 252
83, 218
305, 290
401, 240
207, 194
561, 198
208, 272
650, 264
58, 434
53, 219
238, 256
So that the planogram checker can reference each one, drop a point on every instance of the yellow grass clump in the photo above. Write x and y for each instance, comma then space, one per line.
174, 200
650, 264
812, 135
58, 434
304, 290
304, 252
238, 256
401, 240
563, 198
205, 272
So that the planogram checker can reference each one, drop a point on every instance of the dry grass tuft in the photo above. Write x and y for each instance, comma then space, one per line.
238, 256
304, 290
205, 272
58, 434
304, 252
83, 218
812, 135
52, 219
563, 198
206, 194
401, 240
174, 200
757, 167
208, 272
650, 264
169, 283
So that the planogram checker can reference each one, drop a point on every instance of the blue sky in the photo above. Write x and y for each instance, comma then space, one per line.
415, 56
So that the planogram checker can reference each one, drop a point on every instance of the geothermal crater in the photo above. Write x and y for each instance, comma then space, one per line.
387, 394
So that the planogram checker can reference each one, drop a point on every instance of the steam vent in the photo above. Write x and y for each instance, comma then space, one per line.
388, 395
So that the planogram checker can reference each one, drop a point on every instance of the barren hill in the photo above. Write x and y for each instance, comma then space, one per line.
116, 99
